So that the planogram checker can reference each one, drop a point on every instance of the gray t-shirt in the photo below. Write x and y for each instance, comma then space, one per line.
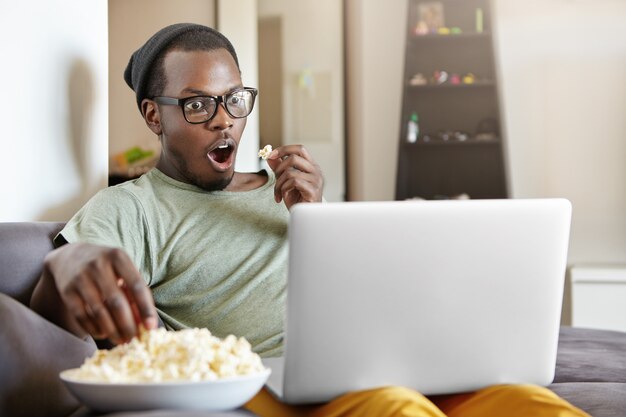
212, 259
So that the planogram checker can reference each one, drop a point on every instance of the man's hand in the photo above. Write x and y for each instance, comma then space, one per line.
298, 177
96, 289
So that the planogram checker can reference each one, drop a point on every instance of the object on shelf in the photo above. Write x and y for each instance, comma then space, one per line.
443, 30
486, 136
469, 78
456, 30
445, 135
440, 77
455, 79
479, 20
460, 136
431, 13
131, 156
133, 162
487, 129
421, 28
412, 128
418, 79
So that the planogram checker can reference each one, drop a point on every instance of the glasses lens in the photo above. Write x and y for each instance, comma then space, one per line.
239, 103
199, 109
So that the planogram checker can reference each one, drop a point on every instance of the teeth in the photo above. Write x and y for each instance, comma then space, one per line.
223, 146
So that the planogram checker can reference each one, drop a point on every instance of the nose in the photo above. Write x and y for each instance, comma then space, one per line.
221, 120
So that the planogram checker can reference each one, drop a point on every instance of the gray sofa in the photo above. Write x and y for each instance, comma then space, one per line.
590, 371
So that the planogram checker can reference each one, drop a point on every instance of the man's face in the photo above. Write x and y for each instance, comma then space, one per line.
200, 154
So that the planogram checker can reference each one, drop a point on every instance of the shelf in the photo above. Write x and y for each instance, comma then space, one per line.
460, 36
474, 166
438, 142
477, 84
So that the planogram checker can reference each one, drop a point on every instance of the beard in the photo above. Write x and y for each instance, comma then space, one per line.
215, 184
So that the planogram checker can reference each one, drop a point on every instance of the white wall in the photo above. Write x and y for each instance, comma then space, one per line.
375, 61
237, 20
54, 107
563, 67
563, 76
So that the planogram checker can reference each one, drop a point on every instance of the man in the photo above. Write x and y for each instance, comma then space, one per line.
197, 244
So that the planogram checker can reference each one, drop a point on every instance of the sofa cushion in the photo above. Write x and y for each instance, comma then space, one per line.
591, 355
33, 352
24, 246
599, 399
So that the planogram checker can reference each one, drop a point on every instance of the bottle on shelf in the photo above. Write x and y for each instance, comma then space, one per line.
413, 128
479, 20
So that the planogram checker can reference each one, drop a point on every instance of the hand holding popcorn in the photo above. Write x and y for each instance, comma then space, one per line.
298, 176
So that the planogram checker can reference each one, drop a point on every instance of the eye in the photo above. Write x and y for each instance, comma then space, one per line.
195, 105
234, 100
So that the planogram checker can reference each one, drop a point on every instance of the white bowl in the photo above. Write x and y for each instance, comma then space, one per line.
219, 395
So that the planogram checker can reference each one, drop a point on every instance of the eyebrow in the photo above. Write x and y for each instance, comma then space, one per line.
204, 93
195, 92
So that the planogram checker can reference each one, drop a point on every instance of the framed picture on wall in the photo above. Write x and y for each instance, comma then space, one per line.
430, 14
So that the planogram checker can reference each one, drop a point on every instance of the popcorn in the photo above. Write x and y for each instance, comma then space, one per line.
160, 355
265, 152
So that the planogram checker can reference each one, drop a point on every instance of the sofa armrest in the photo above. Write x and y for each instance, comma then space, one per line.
23, 246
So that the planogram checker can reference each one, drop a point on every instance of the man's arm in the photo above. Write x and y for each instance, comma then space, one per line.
96, 290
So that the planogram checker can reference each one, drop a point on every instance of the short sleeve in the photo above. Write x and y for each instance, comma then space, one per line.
114, 217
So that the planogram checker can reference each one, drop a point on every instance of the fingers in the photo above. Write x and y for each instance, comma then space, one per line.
106, 294
282, 152
88, 303
300, 174
136, 291
298, 177
295, 181
117, 305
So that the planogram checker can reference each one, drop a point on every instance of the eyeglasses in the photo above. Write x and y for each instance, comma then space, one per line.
201, 109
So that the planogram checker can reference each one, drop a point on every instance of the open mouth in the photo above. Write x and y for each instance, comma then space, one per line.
221, 155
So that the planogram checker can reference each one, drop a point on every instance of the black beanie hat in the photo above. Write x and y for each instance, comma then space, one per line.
138, 68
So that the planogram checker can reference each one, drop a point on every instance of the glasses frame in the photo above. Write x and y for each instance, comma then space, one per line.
172, 101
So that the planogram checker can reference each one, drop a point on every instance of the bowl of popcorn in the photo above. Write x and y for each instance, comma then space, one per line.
159, 369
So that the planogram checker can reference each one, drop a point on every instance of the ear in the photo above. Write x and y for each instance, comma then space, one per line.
151, 115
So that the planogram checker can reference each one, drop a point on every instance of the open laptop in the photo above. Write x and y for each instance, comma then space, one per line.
438, 296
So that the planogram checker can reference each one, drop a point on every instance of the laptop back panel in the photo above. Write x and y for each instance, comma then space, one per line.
439, 296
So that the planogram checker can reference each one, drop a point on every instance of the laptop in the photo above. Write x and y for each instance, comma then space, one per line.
438, 296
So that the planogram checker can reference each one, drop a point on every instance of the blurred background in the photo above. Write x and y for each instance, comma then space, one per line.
333, 75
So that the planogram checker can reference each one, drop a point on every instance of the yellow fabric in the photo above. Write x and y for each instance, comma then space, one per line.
495, 401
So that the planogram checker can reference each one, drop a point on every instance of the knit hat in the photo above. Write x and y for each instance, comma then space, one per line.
138, 68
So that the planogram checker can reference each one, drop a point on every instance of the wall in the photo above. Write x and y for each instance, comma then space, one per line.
54, 110
237, 19
313, 82
375, 61
562, 68
131, 23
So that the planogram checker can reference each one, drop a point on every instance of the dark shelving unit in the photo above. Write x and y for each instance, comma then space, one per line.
459, 147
